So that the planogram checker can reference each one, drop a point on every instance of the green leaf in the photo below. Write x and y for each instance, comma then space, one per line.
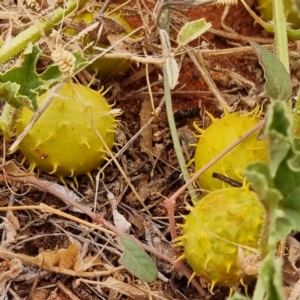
259, 175
294, 162
279, 148
21, 86
10, 92
269, 283
279, 130
192, 30
278, 84
283, 225
279, 119
293, 216
22, 82
136, 260
278, 184
297, 142
50, 76
286, 180
81, 62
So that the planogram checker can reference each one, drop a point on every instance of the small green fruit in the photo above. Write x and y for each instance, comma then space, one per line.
221, 225
65, 141
219, 135
290, 8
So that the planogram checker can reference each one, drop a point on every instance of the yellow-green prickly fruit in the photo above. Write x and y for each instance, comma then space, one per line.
290, 8
221, 225
65, 139
219, 135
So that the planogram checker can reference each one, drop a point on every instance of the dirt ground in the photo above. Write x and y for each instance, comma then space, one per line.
149, 162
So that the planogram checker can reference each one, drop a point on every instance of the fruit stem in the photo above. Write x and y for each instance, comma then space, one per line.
36, 31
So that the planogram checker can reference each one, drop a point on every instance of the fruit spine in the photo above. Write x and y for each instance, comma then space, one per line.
219, 135
65, 140
222, 230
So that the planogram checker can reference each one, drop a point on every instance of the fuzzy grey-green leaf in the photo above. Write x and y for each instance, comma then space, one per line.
172, 71
278, 84
136, 260
269, 281
192, 30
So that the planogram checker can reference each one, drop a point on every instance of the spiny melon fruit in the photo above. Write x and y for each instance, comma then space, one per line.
220, 224
219, 135
291, 9
65, 141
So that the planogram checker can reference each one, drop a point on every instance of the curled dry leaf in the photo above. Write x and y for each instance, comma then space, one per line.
119, 220
63, 258
250, 264
82, 265
291, 270
14, 268
13, 220
10, 226
12, 169
66, 192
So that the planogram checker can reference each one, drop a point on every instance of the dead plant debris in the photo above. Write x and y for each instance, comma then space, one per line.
44, 254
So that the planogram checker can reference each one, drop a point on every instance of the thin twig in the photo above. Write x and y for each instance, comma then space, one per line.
105, 6
162, 5
108, 227
55, 90
206, 76
127, 145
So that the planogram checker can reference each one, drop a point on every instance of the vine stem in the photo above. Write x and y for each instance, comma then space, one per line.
174, 134
169, 109
280, 33
38, 29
